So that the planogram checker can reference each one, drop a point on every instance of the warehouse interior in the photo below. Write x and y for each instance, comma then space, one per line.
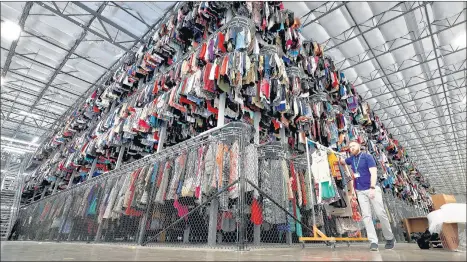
64, 66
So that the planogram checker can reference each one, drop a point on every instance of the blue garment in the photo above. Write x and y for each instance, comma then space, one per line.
365, 162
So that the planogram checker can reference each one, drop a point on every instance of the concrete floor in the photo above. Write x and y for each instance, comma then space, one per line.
19, 250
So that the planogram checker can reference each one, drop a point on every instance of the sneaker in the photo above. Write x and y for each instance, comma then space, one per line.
374, 247
390, 244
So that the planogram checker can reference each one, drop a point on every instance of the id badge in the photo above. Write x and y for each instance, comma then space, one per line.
357, 175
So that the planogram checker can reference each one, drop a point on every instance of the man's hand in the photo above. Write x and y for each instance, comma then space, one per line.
342, 161
372, 193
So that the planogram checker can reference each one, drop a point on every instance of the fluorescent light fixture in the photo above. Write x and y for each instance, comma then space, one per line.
19, 141
3, 81
464, 100
10, 30
35, 139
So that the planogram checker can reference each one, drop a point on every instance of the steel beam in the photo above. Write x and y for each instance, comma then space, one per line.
383, 90
44, 65
416, 111
25, 90
429, 136
322, 15
132, 15
413, 99
20, 115
441, 160
85, 27
387, 79
26, 124
410, 132
442, 80
372, 28
99, 16
407, 85
22, 56
14, 131
42, 82
14, 44
419, 38
45, 114
412, 146
64, 49
107, 74
399, 69
65, 60
439, 152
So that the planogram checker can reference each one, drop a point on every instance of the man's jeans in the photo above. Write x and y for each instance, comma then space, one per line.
378, 206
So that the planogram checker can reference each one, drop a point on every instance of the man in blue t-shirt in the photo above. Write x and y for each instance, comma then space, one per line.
365, 177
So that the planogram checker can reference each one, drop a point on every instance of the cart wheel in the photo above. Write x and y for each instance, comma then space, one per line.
334, 246
328, 243
348, 244
303, 245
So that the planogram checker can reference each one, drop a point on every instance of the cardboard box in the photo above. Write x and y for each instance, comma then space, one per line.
450, 236
441, 199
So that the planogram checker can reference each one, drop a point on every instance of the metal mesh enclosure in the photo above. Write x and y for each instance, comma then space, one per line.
188, 193
217, 190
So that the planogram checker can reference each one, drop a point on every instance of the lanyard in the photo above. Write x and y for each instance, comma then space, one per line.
358, 162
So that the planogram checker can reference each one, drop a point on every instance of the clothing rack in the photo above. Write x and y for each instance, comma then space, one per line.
317, 234
321, 147
240, 21
273, 150
236, 21
225, 132
293, 71
268, 50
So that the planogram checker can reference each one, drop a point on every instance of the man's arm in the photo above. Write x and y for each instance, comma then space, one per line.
351, 188
374, 176
342, 161
373, 170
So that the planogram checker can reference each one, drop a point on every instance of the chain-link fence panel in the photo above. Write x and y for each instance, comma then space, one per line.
196, 199
282, 205
216, 190
185, 194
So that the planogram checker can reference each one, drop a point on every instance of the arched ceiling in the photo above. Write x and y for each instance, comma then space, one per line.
65, 49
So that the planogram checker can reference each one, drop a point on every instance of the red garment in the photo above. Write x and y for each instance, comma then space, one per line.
335, 81
276, 124
265, 89
208, 84
225, 62
132, 188
302, 185
294, 177
143, 125
155, 90
182, 210
202, 53
256, 213
211, 108
221, 40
